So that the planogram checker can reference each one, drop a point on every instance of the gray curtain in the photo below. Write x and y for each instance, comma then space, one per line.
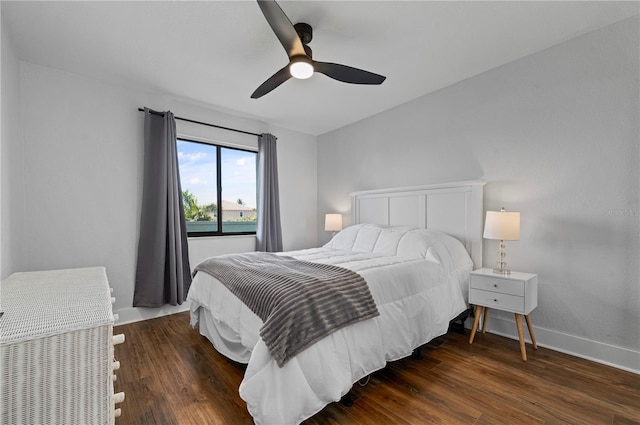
268, 232
163, 274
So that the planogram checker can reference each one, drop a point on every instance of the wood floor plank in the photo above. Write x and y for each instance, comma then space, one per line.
406, 376
620, 420
173, 375
539, 398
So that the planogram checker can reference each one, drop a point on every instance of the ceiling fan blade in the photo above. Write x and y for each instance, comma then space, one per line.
347, 74
272, 82
282, 27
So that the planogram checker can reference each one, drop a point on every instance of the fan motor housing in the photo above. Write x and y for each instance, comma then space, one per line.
305, 32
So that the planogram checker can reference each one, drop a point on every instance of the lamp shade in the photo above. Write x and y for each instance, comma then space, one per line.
502, 225
332, 222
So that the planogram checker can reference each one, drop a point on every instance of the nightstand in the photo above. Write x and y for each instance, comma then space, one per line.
515, 292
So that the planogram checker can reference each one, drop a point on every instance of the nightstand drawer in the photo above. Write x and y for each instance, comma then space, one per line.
503, 286
496, 300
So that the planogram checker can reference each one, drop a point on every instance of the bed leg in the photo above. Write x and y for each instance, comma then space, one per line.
417, 353
457, 324
347, 400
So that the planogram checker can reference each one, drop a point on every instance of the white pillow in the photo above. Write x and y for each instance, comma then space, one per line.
430, 245
435, 246
345, 238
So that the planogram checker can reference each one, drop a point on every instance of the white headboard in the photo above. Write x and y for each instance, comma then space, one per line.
452, 208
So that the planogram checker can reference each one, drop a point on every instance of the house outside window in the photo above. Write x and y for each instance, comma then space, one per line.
214, 176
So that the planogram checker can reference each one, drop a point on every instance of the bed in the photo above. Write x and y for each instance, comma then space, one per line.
414, 247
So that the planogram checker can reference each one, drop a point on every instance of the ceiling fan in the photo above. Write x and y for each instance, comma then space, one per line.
294, 39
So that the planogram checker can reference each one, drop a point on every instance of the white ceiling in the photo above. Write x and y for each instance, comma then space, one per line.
219, 52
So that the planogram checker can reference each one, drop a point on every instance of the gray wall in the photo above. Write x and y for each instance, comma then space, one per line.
555, 135
81, 178
11, 161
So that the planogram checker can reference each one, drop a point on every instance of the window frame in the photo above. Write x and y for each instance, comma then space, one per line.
219, 222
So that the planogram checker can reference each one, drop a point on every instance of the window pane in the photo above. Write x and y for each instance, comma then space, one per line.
238, 191
197, 162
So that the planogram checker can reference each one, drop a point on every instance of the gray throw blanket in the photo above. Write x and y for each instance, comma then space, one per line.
299, 302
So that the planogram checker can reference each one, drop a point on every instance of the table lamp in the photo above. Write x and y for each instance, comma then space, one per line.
502, 225
332, 223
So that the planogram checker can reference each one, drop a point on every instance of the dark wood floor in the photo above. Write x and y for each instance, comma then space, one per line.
172, 375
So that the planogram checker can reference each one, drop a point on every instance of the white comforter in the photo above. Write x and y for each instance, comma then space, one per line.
416, 299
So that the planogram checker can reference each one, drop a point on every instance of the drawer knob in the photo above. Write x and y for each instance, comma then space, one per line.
495, 300
495, 285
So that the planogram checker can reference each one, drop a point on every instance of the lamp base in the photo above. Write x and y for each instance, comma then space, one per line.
502, 265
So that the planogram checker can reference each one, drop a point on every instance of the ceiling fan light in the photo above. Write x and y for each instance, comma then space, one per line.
301, 67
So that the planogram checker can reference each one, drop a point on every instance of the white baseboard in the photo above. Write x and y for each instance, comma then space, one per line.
136, 314
599, 352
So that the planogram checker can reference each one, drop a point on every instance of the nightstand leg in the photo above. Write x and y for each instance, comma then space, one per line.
484, 319
523, 348
533, 335
479, 309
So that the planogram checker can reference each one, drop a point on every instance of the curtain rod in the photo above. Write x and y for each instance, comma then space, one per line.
202, 123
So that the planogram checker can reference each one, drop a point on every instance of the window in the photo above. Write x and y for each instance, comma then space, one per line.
219, 187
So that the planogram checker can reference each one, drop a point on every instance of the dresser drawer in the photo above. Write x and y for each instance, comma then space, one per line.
503, 286
496, 300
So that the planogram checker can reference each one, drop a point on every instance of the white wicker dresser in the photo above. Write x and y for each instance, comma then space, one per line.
56, 348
